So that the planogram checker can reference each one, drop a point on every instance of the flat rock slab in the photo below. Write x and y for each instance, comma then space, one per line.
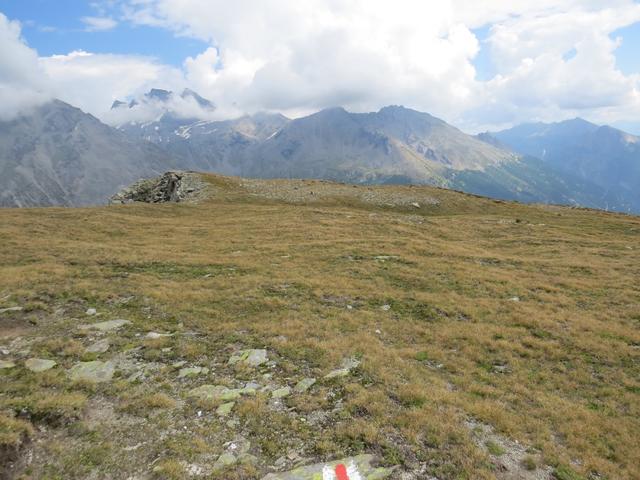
100, 346
351, 468
6, 364
348, 364
252, 357
94, 372
192, 371
225, 409
156, 335
219, 393
281, 392
107, 326
39, 364
304, 385
10, 309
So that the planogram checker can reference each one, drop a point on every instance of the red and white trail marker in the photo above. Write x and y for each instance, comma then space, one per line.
341, 472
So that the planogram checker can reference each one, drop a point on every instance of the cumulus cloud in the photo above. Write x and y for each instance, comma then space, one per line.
553, 59
87, 80
22, 81
145, 109
93, 81
99, 24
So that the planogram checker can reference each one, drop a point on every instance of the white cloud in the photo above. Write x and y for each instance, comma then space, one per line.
99, 24
22, 83
93, 81
147, 109
363, 54
554, 59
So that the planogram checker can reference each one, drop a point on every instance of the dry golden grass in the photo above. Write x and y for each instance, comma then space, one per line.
558, 370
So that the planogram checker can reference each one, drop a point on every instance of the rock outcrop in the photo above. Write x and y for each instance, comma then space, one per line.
174, 186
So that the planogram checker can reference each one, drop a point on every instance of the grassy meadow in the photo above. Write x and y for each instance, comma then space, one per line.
462, 311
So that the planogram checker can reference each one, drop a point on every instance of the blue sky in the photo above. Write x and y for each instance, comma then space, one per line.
298, 57
54, 27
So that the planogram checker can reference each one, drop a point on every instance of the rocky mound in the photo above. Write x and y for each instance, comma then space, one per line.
174, 186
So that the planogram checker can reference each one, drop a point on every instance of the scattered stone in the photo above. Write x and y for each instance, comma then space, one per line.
384, 258
91, 311
134, 447
6, 364
508, 455
358, 467
225, 460
500, 368
251, 357
385, 308
415, 204
216, 393
249, 389
247, 459
194, 470
293, 455
232, 423
100, 346
225, 409
39, 364
94, 372
238, 446
155, 335
192, 371
347, 365
281, 392
11, 309
105, 326
304, 385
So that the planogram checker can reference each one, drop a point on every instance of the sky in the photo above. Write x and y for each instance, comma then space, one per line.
479, 65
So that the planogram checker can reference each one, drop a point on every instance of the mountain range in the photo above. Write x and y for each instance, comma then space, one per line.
59, 155
602, 155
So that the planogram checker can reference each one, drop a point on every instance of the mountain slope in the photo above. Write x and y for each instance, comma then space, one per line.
59, 155
399, 145
601, 155
214, 146
394, 145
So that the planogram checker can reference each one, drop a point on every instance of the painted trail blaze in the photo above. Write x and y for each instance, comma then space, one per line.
341, 472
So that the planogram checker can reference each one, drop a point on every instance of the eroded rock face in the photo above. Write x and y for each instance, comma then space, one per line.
173, 186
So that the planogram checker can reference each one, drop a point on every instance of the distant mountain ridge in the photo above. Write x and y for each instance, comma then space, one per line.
393, 145
602, 155
59, 155
162, 96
